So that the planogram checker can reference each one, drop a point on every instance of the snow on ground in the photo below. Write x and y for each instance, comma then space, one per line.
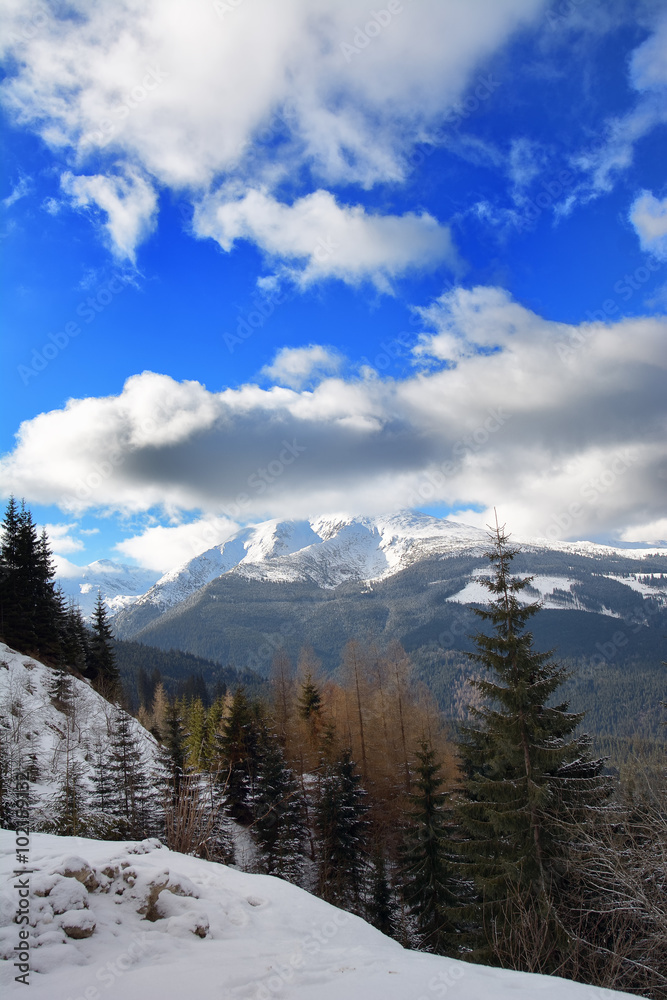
43, 735
135, 921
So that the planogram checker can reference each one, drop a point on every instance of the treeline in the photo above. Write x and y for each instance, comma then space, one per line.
143, 667
511, 847
34, 614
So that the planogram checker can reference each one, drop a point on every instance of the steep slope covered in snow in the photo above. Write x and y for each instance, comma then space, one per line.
46, 737
127, 921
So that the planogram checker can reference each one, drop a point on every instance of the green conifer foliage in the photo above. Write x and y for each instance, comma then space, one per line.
237, 748
428, 876
341, 827
279, 826
101, 662
528, 779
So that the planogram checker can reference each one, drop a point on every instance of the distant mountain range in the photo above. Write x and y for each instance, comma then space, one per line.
410, 577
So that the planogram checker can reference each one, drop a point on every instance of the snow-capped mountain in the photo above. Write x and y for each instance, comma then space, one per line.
326, 551
133, 920
120, 585
330, 550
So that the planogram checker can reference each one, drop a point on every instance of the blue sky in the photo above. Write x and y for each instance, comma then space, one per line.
274, 260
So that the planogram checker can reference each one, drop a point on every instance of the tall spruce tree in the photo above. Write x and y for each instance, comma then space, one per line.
279, 826
341, 826
237, 748
428, 874
528, 782
101, 662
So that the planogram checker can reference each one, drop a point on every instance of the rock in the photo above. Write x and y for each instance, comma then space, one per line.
78, 924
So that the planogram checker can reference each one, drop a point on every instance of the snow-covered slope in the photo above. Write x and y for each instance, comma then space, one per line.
325, 551
47, 739
120, 585
329, 550
130, 921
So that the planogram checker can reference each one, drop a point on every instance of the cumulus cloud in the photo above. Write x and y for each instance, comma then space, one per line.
61, 540
332, 94
129, 204
648, 215
296, 366
562, 427
162, 547
318, 238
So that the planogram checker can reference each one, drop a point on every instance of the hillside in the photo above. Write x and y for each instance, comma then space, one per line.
149, 922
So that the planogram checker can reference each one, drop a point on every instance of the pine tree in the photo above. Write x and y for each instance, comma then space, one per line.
429, 886
341, 828
279, 826
101, 663
527, 779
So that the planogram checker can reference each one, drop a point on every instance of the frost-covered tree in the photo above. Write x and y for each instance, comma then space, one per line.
279, 826
341, 827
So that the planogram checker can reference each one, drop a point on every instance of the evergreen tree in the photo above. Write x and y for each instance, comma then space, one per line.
101, 663
173, 751
381, 902
341, 828
427, 872
195, 725
237, 749
127, 768
279, 826
528, 781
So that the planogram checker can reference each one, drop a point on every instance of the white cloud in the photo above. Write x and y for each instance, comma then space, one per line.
320, 239
529, 415
296, 366
648, 215
161, 547
61, 540
128, 202
655, 532
188, 100
614, 153
20, 190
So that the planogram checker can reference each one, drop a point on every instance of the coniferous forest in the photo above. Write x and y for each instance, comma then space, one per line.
504, 840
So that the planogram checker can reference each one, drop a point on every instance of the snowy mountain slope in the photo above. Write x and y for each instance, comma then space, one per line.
42, 736
325, 551
135, 920
120, 585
